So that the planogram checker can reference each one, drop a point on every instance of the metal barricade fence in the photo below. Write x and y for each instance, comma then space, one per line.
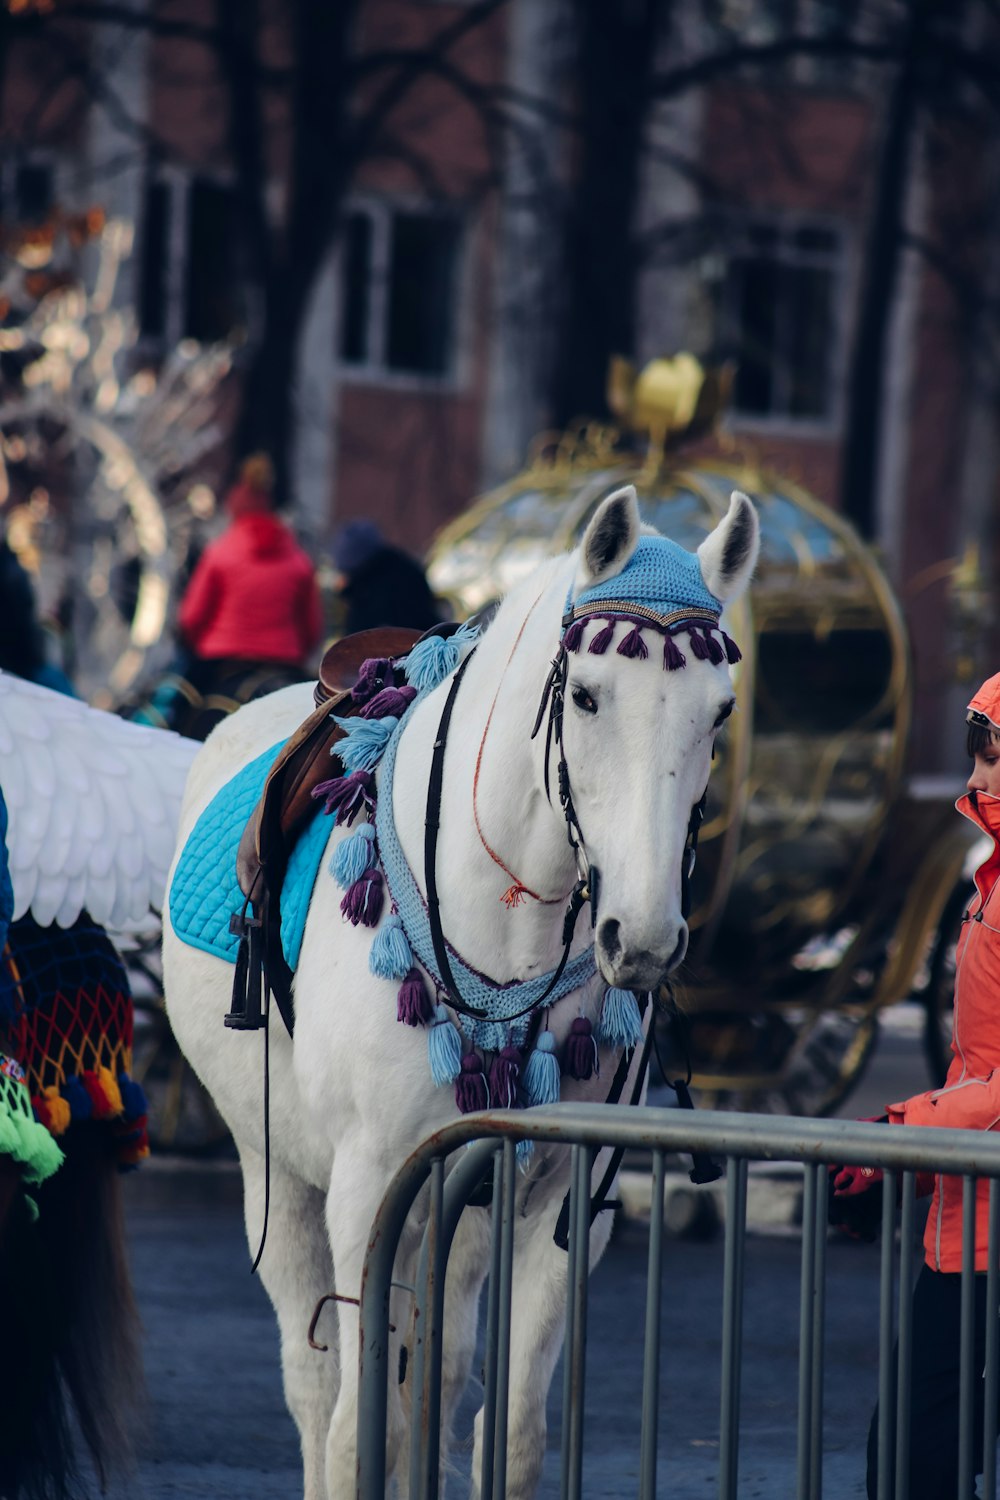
490, 1139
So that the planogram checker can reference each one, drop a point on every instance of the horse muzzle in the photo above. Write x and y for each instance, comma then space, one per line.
633, 964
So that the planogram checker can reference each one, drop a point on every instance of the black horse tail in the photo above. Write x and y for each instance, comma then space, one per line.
71, 1385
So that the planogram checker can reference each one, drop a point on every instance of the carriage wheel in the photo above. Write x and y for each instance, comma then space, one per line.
792, 1061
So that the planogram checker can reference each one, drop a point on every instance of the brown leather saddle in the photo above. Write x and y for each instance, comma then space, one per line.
285, 805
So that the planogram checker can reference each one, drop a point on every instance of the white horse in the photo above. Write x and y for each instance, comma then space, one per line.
351, 1094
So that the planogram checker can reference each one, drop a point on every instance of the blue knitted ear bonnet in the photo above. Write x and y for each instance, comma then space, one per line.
660, 588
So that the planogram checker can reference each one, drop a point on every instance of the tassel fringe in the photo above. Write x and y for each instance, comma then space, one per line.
444, 1048
353, 857
621, 1023
391, 956
413, 1003
582, 1061
602, 640
541, 1072
472, 1092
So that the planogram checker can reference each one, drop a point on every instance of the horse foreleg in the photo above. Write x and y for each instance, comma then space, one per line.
357, 1186
538, 1326
296, 1270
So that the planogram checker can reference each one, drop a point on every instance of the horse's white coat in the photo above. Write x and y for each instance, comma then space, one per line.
354, 1094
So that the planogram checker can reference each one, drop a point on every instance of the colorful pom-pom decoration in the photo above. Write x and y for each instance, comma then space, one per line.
621, 1022
433, 659
541, 1071
23, 1138
582, 1061
471, 1088
444, 1048
391, 956
353, 856
505, 1074
362, 905
413, 1003
363, 743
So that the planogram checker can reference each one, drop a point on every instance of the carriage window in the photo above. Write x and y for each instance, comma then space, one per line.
821, 685
777, 317
399, 291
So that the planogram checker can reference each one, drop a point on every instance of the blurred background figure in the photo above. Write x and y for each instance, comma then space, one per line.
379, 584
253, 595
250, 618
23, 648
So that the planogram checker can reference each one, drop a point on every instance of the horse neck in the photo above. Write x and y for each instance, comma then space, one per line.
493, 773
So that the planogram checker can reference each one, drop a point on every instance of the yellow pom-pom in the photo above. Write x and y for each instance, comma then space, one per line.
56, 1111
111, 1091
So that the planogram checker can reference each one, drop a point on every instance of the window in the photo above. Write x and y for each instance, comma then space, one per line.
777, 312
33, 191
189, 273
212, 302
154, 261
399, 290
27, 189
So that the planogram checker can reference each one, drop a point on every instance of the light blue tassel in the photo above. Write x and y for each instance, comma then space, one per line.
353, 856
444, 1048
541, 1072
391, 956
491, 1036
524, 1151
621, 1023
434, 659
362, 746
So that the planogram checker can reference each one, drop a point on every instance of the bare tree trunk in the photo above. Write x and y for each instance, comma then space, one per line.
866, 370
616, 55
284, 260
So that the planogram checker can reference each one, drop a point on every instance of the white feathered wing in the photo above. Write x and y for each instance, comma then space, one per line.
93, 804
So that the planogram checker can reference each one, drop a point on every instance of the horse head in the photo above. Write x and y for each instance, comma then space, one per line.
645, 689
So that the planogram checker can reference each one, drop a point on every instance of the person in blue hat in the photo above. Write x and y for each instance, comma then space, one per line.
380, 584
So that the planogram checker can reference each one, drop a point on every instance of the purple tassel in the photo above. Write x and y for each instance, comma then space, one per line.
375, 674
673, 656
581, 1059
574, 635
634, 645
364, 901
716, 655
347, 795
413, 1003
733, 652
602, 640
505, 1073
390, 703
699, 645
471, 1089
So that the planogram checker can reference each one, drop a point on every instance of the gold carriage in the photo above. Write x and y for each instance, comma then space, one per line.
823, 880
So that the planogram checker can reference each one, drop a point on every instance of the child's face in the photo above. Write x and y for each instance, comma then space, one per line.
986, 770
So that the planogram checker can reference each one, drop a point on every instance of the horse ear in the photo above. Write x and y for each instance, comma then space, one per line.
610, 539
728, 554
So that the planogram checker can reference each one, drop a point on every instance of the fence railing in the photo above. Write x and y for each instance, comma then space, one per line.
738, 1139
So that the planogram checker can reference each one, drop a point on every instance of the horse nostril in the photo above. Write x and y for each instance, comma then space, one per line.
608, 936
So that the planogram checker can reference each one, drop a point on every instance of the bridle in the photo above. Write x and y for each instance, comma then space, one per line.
588, 884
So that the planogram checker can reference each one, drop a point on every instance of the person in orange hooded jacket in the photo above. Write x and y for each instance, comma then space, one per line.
253, 595
969, 1100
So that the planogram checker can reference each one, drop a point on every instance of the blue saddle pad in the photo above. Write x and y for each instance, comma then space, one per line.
204, 892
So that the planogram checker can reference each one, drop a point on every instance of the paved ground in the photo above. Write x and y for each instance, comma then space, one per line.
218, 1425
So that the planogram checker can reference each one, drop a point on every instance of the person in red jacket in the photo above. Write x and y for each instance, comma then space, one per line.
969, 1100
253, 595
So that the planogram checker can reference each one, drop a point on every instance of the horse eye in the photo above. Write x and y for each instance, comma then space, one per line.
584, 701
724, 713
